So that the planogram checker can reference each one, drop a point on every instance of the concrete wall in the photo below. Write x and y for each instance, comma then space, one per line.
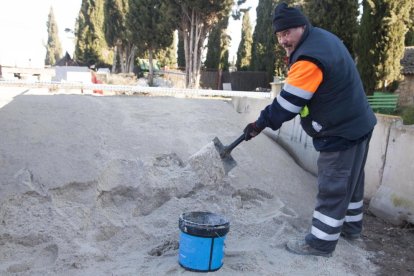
34, 74
389, 172
406, 91
72, 73
394, 199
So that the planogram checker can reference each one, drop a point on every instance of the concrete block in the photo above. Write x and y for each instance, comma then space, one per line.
377, 152
394, 200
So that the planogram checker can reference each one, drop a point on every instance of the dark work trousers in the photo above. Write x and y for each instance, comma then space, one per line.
340, 197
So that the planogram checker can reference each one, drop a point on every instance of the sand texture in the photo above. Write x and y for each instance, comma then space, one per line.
95, 186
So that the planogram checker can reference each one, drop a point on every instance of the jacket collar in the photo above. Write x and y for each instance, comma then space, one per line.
308, 29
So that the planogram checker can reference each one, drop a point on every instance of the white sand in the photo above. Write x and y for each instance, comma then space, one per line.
95, 186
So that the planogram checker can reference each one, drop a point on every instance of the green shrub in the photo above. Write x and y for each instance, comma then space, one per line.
407, 114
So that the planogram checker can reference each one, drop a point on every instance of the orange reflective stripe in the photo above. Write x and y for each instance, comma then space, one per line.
305, 75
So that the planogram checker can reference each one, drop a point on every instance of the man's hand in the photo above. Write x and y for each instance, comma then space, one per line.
251, 130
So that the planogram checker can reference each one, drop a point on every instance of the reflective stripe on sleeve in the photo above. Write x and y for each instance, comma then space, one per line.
297, 91
328, 220
355, 205
324, 236
353, 218
287, 105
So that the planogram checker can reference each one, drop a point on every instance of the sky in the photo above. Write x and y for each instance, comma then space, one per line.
23, 29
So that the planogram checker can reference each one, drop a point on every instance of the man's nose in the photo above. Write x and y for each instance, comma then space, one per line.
281, 39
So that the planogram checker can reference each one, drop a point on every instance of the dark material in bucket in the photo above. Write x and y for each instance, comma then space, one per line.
202, 241
203, 224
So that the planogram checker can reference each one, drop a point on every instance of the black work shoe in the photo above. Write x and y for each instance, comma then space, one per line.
300, 247
351, 237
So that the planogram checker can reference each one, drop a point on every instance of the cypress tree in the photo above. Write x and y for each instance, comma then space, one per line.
409, 37
391, 44
53, 46
217, 46
264, 43
333, 15
213, 48
244, 52
180, 50
117, 36
381, 42
168, 56
224, 46
367, 54
91, 47
267, 55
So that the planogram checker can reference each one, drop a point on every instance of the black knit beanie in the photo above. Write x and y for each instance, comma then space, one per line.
286, 17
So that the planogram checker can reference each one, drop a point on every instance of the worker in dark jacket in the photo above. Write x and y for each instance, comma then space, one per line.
323, 86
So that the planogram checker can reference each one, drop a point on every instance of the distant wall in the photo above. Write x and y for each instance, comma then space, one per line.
72, 73
389, 172
245, 80
406, 91
176, 77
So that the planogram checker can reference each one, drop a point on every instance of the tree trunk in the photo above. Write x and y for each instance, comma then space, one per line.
194, 31
113, 70
191, 50
195, 52
130, 51
187, 58
151, 69
122, 58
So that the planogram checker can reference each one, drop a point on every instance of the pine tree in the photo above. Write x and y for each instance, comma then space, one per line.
53, 46
197, 18
381, 42
217, 46
91, 47
333, 15
152, 24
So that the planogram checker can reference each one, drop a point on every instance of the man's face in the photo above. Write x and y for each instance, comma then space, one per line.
290, 38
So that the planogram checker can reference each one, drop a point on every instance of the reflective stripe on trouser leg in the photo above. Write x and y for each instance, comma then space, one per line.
353, 218
339, 178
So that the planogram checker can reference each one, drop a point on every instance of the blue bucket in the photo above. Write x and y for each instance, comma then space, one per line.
202, 241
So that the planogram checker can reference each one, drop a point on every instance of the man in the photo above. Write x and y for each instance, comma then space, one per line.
324, 87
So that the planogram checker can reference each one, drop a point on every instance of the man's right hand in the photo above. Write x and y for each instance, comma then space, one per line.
251, 130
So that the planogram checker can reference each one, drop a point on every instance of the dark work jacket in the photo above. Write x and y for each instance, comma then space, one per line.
339, 105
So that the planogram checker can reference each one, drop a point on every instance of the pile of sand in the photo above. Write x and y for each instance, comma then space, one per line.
95, 186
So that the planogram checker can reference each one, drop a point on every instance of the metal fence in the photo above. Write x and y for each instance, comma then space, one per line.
134, 89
